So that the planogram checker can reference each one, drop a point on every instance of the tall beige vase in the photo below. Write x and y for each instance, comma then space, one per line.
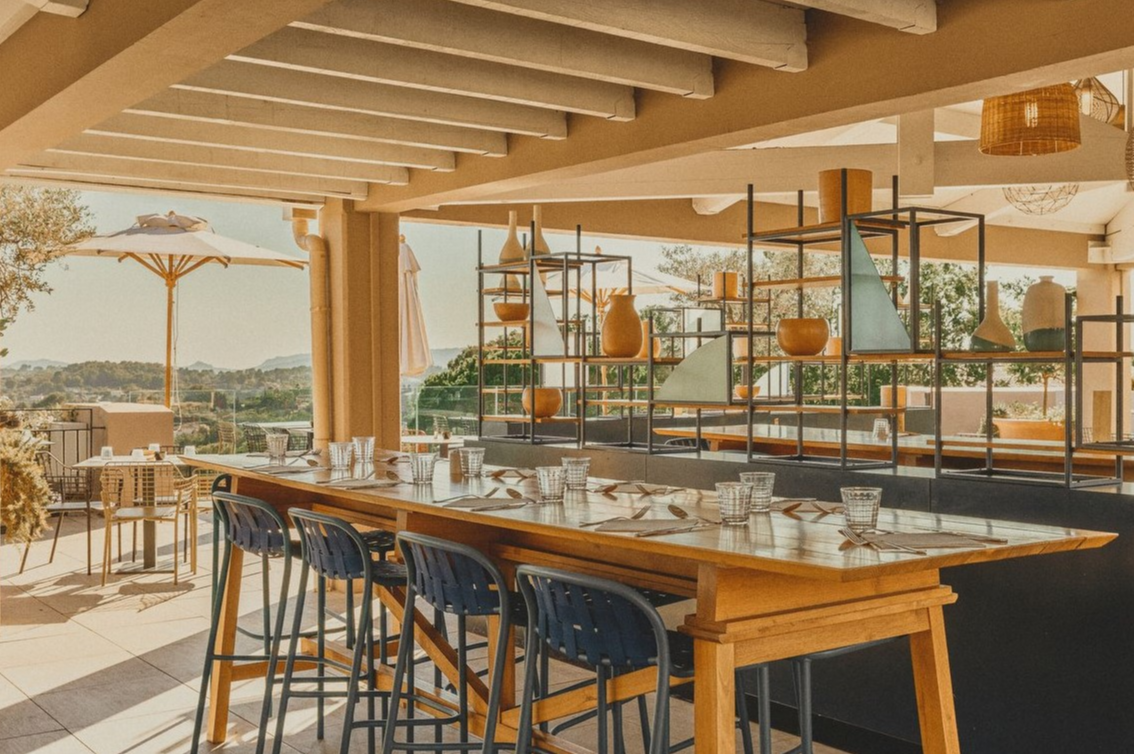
992, 334
657, 345
622, 330
539, 243
1042, 316
512, 251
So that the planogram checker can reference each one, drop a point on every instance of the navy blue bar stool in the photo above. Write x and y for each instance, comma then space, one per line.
459, 580
256, 528
333, 549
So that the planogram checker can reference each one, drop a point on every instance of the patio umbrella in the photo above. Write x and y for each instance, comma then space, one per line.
610, 278
413, 346
172, 246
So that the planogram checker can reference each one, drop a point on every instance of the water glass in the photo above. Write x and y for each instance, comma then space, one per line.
550, 481
138, 454
364, 448
472, 459
277, 447
575, 471
861, 507
733, 499
422, 467
881, 430
340, 454
762, 484
107, 452
155, 447
189, 451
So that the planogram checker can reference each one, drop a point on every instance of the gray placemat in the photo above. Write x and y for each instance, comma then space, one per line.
645, 525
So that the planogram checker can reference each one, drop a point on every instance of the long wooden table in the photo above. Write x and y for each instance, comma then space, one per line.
784, 585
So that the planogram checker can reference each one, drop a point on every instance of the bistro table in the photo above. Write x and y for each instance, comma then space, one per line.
784, 585
440, 442
149, 527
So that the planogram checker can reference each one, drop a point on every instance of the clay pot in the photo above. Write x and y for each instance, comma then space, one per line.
548, 401
622, 329
834, 347
512, 251
726, 285
858, 193
802, 336
511, 311
1042, 316
657, 345
539, 243
1028, 429
742, 391
993, 334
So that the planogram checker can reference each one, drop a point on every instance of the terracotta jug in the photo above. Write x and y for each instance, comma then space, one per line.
657, 345
1042, 316
992, 334
622, 330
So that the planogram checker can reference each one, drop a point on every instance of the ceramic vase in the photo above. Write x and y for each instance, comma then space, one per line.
512, 251
1042, 316
656, 346
992, 334
622, 330
548, 401
726, 285
802, 336
858, 193
539, 243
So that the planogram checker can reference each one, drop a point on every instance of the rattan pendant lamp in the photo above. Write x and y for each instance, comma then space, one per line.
1037, 122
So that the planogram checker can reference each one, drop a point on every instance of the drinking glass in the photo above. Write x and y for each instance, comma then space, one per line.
422, 467
881, 430
155, 447
861, 507
364, 448
189, 451
107, 452
277, 447
472, 459
340, 454
575, 471
733, 500
138, 454
550, 481
762, 484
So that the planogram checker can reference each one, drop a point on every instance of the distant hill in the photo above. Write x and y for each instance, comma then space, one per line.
35, 364
205, 367
284, 363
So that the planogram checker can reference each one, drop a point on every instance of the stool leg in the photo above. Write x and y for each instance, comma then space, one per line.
462, 682
764, 700
266, 610
643, 720
601, 684
210, 649
528, 689
54, 541
321, 642
353, 681
405, 655
617, 737
495, 680
372, 678
274, 655
350, 613
743, 713
802, 676
290, 665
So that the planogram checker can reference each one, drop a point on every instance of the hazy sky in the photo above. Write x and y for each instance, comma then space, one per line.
240, 316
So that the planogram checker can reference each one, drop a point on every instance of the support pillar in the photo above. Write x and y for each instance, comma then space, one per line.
363, 271
1096, 289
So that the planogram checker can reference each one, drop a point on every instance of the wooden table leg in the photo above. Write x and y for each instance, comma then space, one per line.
508, 681
932, 686
714, 711
221, 682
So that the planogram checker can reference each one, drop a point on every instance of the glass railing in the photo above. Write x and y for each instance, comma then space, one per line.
431, 409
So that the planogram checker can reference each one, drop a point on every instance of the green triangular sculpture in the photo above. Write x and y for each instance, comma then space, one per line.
875, 323
702, 376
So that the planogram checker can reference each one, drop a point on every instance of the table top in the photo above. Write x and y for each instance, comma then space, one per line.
801, 543
437, 440
98, 462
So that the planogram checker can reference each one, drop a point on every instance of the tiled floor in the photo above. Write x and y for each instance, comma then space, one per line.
117, 669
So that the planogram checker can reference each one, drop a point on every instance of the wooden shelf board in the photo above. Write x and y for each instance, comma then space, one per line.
522, 323
526, 419
875, 358
821, 233
499, 291
819, 281
830, 409
732, 300
620, 360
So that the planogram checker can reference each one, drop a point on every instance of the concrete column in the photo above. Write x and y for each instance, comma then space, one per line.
363, 262
1096, 290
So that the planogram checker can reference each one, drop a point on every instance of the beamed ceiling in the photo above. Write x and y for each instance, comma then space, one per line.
407, 105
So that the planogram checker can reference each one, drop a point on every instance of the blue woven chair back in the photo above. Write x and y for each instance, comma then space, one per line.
331, 546
452, 577
252, 524
593, 620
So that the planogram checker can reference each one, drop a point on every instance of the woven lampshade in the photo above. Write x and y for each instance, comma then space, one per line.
1037, 122
1096, 100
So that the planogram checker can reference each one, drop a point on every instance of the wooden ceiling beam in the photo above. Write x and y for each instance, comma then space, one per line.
300, 87
912, 16
444, 27
195, 154
749, 31
150, 188
192, 175
195, 105
391, 65
178, 131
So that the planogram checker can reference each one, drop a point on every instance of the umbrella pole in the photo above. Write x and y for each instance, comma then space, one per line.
171, 282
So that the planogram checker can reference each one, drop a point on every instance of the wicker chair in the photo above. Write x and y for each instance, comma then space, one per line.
70, 494
226, 437
255, 439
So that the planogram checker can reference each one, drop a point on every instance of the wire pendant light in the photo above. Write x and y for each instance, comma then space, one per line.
1037, 122
1040, 200
1096, 100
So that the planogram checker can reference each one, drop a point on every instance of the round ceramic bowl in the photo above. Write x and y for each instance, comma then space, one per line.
802, 336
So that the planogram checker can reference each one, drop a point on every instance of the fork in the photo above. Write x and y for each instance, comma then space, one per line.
857, 539
468, 495
639, 514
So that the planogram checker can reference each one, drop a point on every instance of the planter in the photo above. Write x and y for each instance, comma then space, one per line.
511, 311
622, 329
656, 346
802, 336
992, 334
548, 401
726, 285
858, 193
1042, 316
1028, 429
